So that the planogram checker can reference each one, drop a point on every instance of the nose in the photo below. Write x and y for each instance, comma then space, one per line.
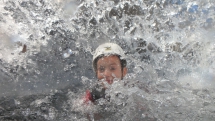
107, 73
108, 76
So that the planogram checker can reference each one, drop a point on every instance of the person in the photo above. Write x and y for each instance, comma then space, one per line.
109, 64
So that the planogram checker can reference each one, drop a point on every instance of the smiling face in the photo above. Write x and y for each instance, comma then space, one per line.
109, 67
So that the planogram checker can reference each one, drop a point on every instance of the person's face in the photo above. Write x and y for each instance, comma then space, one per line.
109, 67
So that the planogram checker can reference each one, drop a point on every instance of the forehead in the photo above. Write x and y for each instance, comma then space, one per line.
112, 59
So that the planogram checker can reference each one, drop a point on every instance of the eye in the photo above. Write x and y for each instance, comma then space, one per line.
112, 68
101, 69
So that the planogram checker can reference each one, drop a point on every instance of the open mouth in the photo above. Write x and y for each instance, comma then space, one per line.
109, 81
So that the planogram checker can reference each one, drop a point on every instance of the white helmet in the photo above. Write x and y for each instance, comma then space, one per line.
108, 49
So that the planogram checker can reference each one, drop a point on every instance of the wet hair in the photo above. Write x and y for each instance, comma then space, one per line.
123, 62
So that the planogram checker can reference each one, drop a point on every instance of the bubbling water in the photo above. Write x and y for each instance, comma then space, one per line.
46, 48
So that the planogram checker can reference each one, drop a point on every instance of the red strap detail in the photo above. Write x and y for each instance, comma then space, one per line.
88, 96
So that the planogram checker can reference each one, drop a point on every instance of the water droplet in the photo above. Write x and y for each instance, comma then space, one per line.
143, 115
37, 71
66, 55
60, 49
78, 45
70, 51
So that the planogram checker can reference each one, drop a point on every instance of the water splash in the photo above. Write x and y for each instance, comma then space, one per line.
47, 45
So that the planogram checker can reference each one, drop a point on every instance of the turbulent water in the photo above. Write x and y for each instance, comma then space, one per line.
46, 49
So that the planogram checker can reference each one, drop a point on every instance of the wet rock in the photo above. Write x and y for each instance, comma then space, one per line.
153, 48
177, 47
28, 4
93, 21
2, 110
8, 104
49, 12
127, 25
184, 24
24, 49
115, 12
135, 10
142, 43
58, 99
140, 50
23, 111
127, 9
116, 1
138, 109
1, 19
209, 24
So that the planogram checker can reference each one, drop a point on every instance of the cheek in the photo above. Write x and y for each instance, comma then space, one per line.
118, 73
99, 75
